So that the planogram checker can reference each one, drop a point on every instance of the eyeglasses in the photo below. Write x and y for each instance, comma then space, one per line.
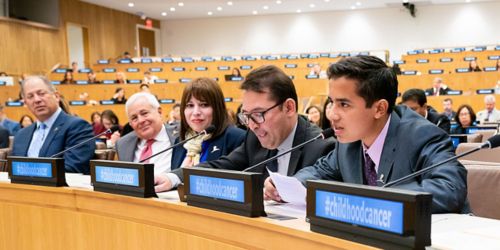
257, 117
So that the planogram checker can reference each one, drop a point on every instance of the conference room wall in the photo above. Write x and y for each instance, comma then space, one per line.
33, 49
354, 30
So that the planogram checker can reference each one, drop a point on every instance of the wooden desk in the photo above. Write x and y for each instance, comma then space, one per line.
34, 217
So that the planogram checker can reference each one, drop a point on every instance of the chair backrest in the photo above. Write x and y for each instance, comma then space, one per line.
483, 190
486, 133
475, 138
4, 152
486, 155
100, 145
105, 154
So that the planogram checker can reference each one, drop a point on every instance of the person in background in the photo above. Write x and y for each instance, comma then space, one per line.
175, 114
108, 120
473, 67
327, 118
497, 65
416, 100
3, 74
438, 88
74, 67
396, 69
121, 78
11, 125
26, 121
448, 109
239, 124
119, 96
314, 115
490, 113
149, 78
68, 78
54, 130
316, 70
97, 126
236, 72
465, 117
92, 78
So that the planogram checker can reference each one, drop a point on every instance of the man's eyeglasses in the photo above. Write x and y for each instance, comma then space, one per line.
257, 117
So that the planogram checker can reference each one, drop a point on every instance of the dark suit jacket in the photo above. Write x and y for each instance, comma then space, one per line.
251, 151
440, 120
66, 132
412, 143
442, 91
218, 146
4, 138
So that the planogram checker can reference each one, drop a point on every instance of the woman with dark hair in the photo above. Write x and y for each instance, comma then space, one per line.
68, 78
314, 115
25, 121
473, 67
465, 117
108, 120
236, 72
119, 96
326, 119
202, 105
95, 121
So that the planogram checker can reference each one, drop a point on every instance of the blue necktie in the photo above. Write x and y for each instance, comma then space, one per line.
38, 140
369, 171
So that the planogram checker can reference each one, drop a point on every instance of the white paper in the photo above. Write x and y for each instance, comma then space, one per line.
289, 188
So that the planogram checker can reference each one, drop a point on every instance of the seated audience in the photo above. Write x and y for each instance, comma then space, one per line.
149, 78
74, 67
316, 70
490, 113
92, 77
11, 125
108, 120
465, 117
416, 100
380, 142
68, 78
26, 121
438, 88
236, 72
97, 126
327, 116
54, 130
121, 78
473, 67
119, 96
448, 109
175, 114
314, 115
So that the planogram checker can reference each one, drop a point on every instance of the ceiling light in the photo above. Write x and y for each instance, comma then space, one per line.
299, 11
358, 3
164, 13
467, 1
172, 9
278, 1
210, 13
229, 3
255, 12
353, 7
312, 5
180, 4
265, 7
327, 1
130, 4
219, 8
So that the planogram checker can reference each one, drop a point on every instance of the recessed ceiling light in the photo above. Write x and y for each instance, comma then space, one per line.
353, 7
219, 8
299, 11
180, 4
255, 12
467, 1
229, 3
358, 3
172, 9
265, 7
327, 1
312, 5
278, 1
131, 4
164, 13
210, 13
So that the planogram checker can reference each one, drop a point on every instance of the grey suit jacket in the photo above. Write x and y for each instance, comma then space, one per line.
251, 151
412, 143
126, 146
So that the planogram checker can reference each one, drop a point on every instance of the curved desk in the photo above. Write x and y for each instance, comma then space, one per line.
35, 217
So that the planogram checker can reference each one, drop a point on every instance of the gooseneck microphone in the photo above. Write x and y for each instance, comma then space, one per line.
327, 133
210, 129
108, 131
492, 142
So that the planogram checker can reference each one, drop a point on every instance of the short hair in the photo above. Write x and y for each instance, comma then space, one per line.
374, 79
207, 90
176, 105
110, 115
471, 113
448, 100
416, 95
44, 79
489, 98
151, 99
270, 77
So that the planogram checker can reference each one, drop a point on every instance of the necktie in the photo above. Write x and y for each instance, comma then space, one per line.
488, 117
38, 140
273, 165
370, 173
148, 150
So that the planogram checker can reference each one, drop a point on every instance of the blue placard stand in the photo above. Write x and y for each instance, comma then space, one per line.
37, 171
387, 218
125, 178
227, 191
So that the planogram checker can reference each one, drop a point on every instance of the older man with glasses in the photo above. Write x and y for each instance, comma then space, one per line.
269, 109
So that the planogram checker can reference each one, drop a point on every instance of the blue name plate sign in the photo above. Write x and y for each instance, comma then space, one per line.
132, 179
228, 191
14, 104
387, 218
290, 66
37, 171
223, 68
485, 91
312, 76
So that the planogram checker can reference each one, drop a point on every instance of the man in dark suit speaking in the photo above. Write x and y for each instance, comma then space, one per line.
380, 142
269, 109
54, 130
416, 100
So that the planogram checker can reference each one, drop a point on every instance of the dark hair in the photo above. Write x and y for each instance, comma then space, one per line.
448, 100
271, 78
375, 80
118, 90
110, 115
471, 113
320, 113
93, 114
144, 85
22, 118
206, 90
325, 122
237, 70
416, 95
475, 68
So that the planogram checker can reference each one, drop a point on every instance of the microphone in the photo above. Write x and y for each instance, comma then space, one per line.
492, 142
210, 129
327, 133
108, 131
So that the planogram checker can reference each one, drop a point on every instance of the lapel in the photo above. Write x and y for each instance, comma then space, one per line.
54, 130
389, 152
27, 139
299, 137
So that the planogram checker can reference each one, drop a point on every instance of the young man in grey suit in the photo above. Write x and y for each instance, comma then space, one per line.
150, 135
269, 109
380, 142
